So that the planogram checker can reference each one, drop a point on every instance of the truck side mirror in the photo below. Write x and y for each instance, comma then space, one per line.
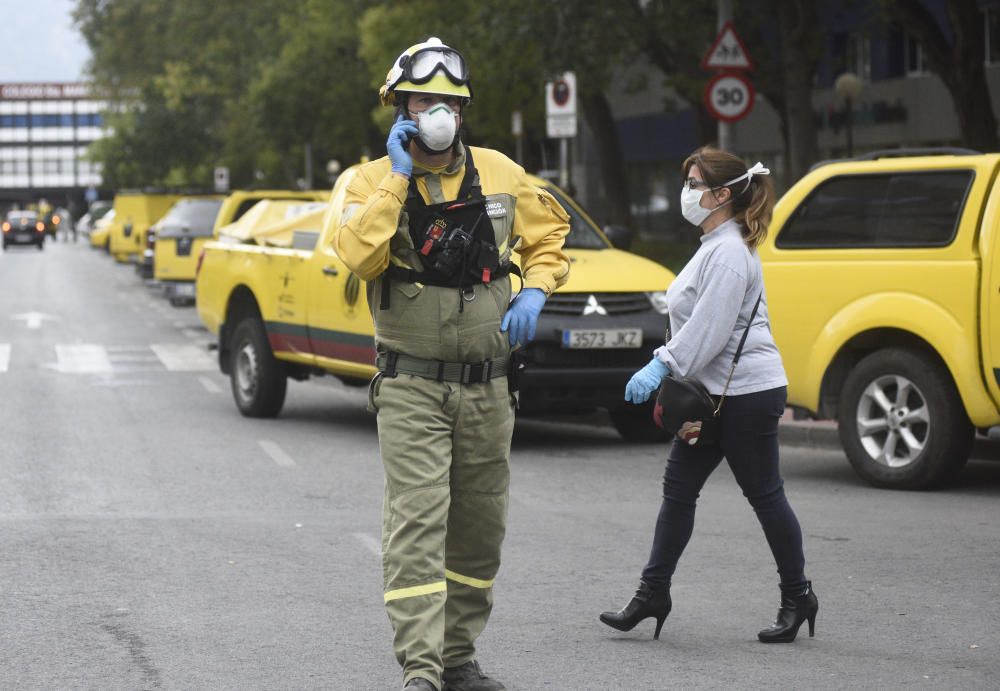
620, 236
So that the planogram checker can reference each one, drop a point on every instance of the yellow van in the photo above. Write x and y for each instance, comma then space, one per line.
135, 212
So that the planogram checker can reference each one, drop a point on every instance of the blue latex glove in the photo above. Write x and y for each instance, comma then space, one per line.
522, 316
399, 140
647, 380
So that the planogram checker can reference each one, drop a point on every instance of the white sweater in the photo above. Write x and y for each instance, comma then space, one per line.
710, 302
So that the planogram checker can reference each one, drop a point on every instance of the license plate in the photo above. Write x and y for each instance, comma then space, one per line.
184, 290
24, 237
602, 338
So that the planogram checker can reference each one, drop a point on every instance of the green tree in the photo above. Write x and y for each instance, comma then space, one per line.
315, 93
957, 54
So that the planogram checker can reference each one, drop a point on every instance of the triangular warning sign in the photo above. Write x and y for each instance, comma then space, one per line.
727, 52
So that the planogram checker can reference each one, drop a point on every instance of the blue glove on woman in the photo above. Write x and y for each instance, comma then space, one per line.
399, 139
647, 380
522, 316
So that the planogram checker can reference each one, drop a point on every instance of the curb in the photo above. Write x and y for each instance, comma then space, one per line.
824, 435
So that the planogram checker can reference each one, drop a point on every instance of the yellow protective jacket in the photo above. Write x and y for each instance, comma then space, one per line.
426, 321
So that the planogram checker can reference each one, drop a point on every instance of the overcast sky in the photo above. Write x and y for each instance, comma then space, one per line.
39, 43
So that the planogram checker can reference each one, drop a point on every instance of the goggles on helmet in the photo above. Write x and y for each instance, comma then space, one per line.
420, 67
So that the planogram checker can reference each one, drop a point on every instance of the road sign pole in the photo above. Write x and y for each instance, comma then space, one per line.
564, 163
725, 14
560, 117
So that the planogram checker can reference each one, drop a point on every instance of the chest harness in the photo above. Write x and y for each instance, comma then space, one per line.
455, 241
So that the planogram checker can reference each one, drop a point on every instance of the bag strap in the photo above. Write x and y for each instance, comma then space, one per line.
739, 351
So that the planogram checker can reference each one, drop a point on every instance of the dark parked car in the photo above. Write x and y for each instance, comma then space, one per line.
23, 228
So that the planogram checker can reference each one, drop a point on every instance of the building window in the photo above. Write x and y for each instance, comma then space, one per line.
13, 167
859, 56
89, 120
914, 57
991, 27
852, 53
13, 120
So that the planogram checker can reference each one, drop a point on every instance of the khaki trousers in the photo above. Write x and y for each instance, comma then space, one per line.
445, 450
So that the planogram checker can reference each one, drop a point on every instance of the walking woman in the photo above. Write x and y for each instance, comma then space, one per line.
711, 301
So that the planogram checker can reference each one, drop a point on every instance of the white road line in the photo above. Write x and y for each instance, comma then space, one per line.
82, 359
210, 385
184, 357
4, 356
277, 454
127, 348
125, 358
372, 545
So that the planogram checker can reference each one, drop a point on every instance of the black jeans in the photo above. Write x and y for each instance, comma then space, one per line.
748, 439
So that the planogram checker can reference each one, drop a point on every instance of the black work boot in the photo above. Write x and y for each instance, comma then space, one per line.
419, 684
469, 677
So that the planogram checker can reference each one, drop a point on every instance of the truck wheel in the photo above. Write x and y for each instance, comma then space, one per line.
635, 423
902, 422
257, 378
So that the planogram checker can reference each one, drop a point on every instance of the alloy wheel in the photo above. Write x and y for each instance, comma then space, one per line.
893, 421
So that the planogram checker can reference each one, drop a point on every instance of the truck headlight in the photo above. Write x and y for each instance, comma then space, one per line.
659, 301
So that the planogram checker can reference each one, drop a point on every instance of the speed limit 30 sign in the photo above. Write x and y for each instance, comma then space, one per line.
729, 97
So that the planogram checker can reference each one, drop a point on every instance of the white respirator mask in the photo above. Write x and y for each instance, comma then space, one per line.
437, 126
691, 207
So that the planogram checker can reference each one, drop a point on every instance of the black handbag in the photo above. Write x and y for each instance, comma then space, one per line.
685, 408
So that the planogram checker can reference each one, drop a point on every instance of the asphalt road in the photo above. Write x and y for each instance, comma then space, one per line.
151, 538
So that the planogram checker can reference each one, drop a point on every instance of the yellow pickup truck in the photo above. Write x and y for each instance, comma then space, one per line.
176, 240
284, 305
882, 278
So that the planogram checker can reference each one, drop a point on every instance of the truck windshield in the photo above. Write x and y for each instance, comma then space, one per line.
582, 233
198, 215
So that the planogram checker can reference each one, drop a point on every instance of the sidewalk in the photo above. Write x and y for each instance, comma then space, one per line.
823, 434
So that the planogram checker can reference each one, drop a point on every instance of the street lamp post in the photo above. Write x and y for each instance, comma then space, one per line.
848, 89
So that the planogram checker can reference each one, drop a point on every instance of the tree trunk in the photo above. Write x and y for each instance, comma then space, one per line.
614, 174
976, 120
957, 58
795, 20
967, 79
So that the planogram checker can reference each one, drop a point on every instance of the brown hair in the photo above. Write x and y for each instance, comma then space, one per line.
752, 202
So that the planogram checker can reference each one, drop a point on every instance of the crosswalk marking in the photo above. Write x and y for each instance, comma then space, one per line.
92, 358
82, 359
184, 357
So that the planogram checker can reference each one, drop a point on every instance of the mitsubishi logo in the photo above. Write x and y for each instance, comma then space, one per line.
594, 307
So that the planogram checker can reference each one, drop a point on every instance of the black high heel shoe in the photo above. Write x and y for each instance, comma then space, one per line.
795, 609
647, 602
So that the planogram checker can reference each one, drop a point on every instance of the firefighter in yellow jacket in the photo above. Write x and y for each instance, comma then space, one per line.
431, 227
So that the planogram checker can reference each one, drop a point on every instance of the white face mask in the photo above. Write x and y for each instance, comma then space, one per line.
691, 207
437, 126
